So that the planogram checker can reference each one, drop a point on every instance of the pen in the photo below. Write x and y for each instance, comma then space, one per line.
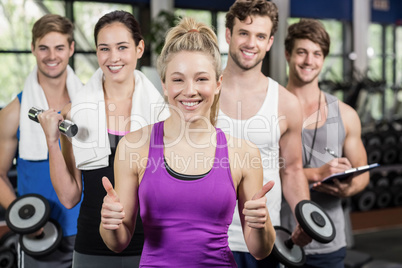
331, 152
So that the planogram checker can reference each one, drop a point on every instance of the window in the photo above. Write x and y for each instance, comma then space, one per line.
219, 27
221, 32
86, 14
398, 55
16, 16
199, 15
15, 42
375, 52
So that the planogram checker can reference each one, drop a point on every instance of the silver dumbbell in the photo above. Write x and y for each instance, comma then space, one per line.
27, 214
66, 127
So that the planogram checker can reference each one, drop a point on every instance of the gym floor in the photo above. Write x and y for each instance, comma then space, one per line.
377, 234
382, 245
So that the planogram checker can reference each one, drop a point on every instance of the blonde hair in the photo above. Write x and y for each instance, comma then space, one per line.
190, 35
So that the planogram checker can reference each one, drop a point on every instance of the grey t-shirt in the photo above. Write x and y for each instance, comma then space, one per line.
331, 135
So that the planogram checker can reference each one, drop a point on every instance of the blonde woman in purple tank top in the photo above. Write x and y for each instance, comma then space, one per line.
184, 174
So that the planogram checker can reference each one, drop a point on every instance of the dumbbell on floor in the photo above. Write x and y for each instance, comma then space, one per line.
314, 221
28, 214
66, 127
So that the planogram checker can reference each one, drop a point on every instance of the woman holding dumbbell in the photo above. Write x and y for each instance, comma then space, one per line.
116, 100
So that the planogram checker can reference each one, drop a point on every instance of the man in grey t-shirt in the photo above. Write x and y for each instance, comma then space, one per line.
329, 123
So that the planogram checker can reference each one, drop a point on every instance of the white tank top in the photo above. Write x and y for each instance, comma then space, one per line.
263, 130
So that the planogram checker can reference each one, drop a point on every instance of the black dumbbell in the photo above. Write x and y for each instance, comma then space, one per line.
374, 153
365, 200
373, 145
8, 258
28, 214
9, 240
314, 221
8, 250
381, 189
66, 127
396, 189
373, 138
390, 154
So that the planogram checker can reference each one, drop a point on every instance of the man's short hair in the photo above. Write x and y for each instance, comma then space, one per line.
242, 9
52, 23
310, 29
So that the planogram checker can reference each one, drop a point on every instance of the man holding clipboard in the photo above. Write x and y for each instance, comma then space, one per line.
328, 123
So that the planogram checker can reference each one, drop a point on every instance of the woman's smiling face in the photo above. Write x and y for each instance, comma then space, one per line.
191, 84
117, 53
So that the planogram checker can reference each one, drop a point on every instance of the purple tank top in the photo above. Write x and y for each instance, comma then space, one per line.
186, 222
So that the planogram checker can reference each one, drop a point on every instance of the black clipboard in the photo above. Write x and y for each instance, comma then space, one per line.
349, 172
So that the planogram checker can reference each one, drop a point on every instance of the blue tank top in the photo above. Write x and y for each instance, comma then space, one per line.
186, 221
34, 177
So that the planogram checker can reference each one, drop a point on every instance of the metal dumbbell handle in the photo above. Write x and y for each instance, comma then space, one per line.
289, 243
66, 127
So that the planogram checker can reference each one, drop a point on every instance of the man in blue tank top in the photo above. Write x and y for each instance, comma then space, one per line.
256, 108
328, 123
51, 84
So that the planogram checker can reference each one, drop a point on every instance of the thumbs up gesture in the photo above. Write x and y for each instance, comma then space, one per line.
112, 213
255, 210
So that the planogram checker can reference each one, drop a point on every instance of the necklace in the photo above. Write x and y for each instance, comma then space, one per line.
307, 165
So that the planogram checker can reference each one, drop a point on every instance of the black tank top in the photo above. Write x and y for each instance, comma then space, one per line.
88, 240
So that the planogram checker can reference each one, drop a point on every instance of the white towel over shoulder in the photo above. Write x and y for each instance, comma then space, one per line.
91, 145
32, 144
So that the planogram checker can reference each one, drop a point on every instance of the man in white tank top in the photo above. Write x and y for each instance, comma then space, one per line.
329, 123
256, 108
